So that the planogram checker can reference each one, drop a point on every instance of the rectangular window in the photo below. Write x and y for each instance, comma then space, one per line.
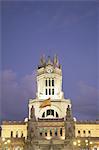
52, 112
46, 91
11, 134
52, 91
49, 91
49, 82
48, 112
46, 82
52, 82
55, 132
50, 132
61, 133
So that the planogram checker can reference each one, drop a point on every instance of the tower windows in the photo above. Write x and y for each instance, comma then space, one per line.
49, 91
46, 82
52, 91
49, 82
46, 91
52, 82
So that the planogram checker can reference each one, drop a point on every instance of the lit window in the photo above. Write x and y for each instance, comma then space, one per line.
46, 91
46, 82
49, 91
52, 82
52, 91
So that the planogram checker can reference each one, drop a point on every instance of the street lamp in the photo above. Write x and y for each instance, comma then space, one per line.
82, 144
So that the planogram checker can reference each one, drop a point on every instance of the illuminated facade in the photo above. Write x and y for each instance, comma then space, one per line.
50, 125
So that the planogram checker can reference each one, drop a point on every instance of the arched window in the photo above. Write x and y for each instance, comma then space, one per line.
43, 114
50, 112
16, 134
22, 134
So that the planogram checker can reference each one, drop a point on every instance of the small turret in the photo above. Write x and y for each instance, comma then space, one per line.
49, 62
56, 61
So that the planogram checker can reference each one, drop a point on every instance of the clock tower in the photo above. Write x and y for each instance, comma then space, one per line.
49, 79
49, 101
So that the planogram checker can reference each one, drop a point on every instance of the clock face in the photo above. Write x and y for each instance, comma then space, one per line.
49, 70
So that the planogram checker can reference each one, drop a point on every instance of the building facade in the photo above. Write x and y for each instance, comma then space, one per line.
50, 124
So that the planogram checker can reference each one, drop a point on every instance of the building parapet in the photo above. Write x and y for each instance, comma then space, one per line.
13, 123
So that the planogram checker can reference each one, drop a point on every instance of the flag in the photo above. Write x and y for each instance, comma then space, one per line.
45, 103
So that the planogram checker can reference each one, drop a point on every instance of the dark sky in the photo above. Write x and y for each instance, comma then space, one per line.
68, 29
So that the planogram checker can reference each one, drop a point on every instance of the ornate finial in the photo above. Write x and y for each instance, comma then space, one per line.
49, 60
56, 62
42, 61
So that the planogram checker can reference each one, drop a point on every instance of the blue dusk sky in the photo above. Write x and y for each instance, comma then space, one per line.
30, 29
